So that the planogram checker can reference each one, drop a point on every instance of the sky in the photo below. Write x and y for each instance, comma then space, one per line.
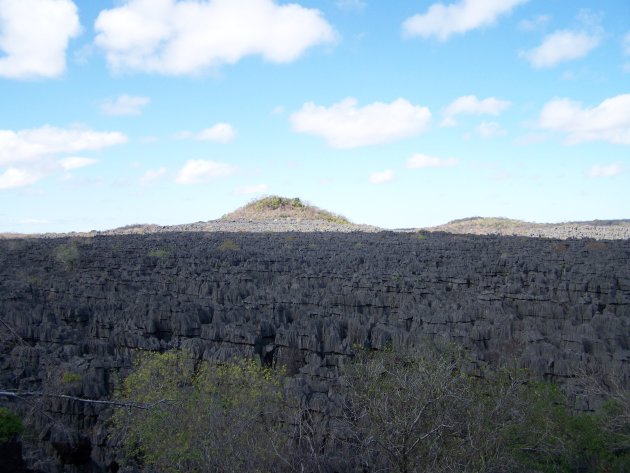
392, 113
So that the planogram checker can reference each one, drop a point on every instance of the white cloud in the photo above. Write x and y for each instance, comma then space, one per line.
487, 130
534, 23
221, 133
609, 121
609, 170
351, 5
422, 161
153, 175
76, 162
125, 105
255, 189
188, 37
381, 177
13, 178
35, 144
626, 44
197, 171
344, 125
277, 110
471, 105
561, 46
34, 35
442, 21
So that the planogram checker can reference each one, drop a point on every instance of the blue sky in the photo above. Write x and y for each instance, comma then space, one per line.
398, 113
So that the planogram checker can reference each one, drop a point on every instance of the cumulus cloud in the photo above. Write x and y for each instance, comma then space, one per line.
422, 161
153, 175
442, 21
561, 46
125, 105
254, 189
219, 133
487, 130
532, 24
471, 105
76, 162
34, 35
609, 121
344, 125
351, 5
381, 177
609, 170
188, 37
199, 170
13, 178
35, 144
33, 154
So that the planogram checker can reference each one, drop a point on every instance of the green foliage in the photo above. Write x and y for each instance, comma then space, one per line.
70, 377
228, 245
10, 425
67, 254
159, 253
432, 409
426, 411
275, 202
553, 439
206, 417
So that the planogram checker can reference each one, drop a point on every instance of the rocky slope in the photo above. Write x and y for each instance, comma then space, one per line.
597, 229
79, 308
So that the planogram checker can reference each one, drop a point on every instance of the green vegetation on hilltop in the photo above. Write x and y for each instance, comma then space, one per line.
277, 207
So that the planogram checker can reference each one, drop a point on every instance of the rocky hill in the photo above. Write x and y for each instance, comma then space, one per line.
597, 229
283, 214
75, 311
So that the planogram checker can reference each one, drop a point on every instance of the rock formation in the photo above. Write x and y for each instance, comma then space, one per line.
78, 309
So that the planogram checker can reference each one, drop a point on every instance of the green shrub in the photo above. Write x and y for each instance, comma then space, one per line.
206, 416
10, 425
70, 377
160, 253
228, 245
67, 254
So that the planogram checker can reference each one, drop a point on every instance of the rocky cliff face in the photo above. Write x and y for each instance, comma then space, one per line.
303, 300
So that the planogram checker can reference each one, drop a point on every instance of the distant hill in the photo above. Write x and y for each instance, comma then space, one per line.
276, 207
284, 214
597, 229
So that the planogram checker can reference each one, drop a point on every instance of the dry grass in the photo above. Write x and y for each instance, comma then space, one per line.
276, 207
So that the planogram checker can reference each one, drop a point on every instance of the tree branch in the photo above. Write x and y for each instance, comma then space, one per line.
19, 395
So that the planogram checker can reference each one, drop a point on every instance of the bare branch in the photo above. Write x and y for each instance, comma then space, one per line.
20, 395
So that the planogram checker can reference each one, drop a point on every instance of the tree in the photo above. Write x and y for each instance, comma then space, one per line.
402, 408
433, 410
206, 417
